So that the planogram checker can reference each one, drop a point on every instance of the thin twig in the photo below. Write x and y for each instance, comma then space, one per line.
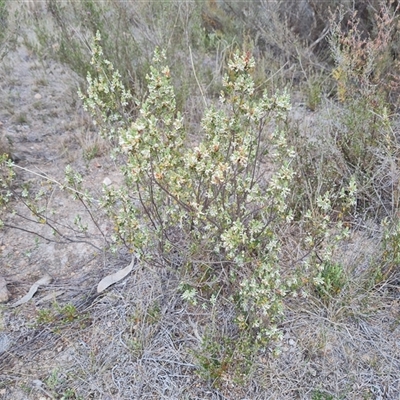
195, 76
67, 240
49, 179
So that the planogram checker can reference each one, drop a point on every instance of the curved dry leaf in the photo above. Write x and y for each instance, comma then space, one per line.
41, 282
116, 277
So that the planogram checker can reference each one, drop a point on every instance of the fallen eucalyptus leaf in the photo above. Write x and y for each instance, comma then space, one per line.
115, 277
41, 282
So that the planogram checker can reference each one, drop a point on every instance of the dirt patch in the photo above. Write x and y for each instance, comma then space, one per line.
46, 130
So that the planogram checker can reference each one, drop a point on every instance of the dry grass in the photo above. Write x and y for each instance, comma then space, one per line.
137, 341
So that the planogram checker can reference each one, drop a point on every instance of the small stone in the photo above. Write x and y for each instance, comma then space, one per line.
292, 342
328, 348
38, 96
5, 342
312, 371
107, 181
4, 293
366, 358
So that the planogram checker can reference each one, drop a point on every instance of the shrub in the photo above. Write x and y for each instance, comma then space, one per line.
222, 201
130, 31
357, 135
3, 20
367, 80
8, 32
356, 147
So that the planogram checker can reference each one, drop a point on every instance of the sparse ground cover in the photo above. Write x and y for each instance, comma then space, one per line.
263, 223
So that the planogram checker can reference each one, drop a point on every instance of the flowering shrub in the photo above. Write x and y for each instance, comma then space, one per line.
224, 199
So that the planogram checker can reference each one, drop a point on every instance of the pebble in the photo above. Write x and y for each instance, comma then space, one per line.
5, 342
4, 293
312, 371
107, 181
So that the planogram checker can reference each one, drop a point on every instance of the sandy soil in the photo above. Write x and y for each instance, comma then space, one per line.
43, 120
